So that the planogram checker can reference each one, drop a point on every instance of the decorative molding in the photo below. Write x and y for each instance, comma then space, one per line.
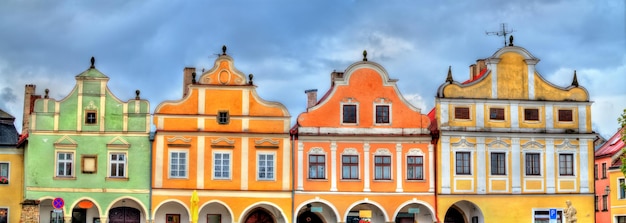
499, 144
349, 100
350, 151
566, 145
317, 150
264, 140
415, 152
173, 139
118, 142
463, 143
382, 151
382, 100
65, 142
532, 144
91, 106
223, 139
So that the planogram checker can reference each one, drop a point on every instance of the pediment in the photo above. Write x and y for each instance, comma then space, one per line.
65, 142
118, 142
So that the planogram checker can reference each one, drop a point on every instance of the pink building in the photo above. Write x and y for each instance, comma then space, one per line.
608, 178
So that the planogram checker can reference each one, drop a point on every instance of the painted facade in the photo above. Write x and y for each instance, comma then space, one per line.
363, 151
90, 149
11, 170
228, 144
610, 197
511, 145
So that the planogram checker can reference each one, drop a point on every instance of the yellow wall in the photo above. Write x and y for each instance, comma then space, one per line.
12, 193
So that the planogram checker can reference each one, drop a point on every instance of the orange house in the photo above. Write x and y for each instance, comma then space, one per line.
225, 142
363, 152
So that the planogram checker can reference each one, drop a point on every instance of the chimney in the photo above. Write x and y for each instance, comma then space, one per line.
187, 78
311, 98
29, 106
480, 66
472, 69
334, 75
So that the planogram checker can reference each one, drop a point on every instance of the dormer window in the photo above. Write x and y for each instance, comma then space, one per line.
91, 117
349, 114
223, 118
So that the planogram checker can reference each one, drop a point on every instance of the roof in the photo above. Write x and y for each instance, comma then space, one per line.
482, 72
5, 115
8, 134
611, 146
91, 73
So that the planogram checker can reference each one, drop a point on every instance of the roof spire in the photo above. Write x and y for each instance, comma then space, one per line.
137, 92
575, 81
93, 61
223, 49
364, 55
449, 78
511, 40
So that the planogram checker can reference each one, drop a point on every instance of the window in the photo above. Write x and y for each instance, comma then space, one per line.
382, 167
266, 167
350, 167
603, 170
223, 117
498, 164
349, 113
214, 218
172, 218
65, 161
463, 163
595, 171
531, 114
496, 113
415, 168
605, 202
596, 203
178, 164
565, 115
4, 173
317, 163
382, 114
622, 190
544, 216
4, 215
221, 165
461, 113
533, 164
566, 164
90, 117
118, 165
621, 219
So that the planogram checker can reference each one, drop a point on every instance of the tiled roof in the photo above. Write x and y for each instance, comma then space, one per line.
8, 134
611, 146
482, 72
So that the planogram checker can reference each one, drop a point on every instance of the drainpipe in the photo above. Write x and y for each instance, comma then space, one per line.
150, 182
293, 177
435, 142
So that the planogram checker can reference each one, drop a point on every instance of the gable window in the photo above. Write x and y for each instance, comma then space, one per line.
622, 190
223, 117
4, 173
531, 114
415, 168
266, 167
65, 161
350, 167
118, 165
461, 113
178, 164
565, 115
221, 165
496, 113
349, 114
382, 167
382, 114
566, 164
603, 170
91, 117
498, 164
317, 165
463, 163
533, 164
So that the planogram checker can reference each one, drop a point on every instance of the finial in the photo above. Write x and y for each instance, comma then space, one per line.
223, 49
193, 77
250, 76
137, 94
449, 78
575, 81
203, 70
47, 91
511, 40
364, 55
93, 61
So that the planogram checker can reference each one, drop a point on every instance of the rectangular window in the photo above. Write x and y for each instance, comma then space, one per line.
415, 168
566, 164
496, 113
178, 164
463, 163
565, 115
266, 167
4, 215
65, 161
214, 218
349, 113
172, 218
4, 173
595, 171
621, 219
622, 190
221, 165
498, 164
533, 164
382, 114
603, 170
596, 203
223, 117
317, 164
531, 114
461, 113
382, 167
118, 165
605, 202
544, 216
91, 117
350, 167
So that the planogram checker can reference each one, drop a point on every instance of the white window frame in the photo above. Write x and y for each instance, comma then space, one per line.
230, 164
574, 164
389, 114
258, 167
169, 168
112, 162
506, 162
350, 152
318, 152
8, 176
356, 113
56, 164
542, 168
471, 162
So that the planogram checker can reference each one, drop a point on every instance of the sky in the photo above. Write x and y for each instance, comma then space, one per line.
291, 46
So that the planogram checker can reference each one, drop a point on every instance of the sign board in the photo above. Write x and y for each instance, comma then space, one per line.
316, 209
58, 210
552, 213
58, 203
414, 210
365, 213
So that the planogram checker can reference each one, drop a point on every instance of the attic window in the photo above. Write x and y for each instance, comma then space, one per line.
461, 113
91, 117
496, 113
222, 117
531, 114
565, 115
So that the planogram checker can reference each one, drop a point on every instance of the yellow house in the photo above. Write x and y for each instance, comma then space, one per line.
11, 170
513, 147
225, 142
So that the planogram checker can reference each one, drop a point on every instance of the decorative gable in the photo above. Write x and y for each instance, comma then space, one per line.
118, 143
66, 142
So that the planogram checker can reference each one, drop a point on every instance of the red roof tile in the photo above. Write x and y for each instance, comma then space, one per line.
611, 146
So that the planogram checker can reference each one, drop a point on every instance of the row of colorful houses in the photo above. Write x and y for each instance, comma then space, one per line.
504, 145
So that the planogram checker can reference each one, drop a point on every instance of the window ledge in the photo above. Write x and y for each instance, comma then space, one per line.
383, 180
222, 179
64, 178
415, 180
117, 178
266, 180
318, 179
350, 180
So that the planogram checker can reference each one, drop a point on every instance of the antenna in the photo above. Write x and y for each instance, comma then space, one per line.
502, 32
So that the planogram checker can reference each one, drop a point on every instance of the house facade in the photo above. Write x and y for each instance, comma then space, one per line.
88, 155
610, 195
513, 146
363, 152
228, 144
11, 170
